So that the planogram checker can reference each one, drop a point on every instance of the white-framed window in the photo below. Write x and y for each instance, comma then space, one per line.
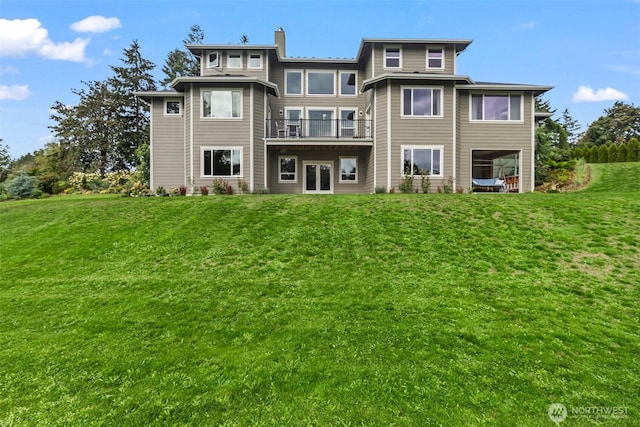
321, 83
348, 170
435, 58
172, 107
255, 61
221, 162
293, 82
422, 159
288, 169
213, 60
348, 120
505, 107
392, 57
222, 103
421, 101
348, 83
234, 60
321, 122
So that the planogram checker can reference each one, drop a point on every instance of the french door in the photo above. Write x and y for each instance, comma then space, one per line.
318, 177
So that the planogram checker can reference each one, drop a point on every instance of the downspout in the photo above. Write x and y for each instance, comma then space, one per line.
455, 135
251, 136
388, 135
191, 140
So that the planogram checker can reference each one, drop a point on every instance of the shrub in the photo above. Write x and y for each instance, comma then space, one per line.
4, 194
603, 154
425, 182
204, 190
261, 190
182, 190
229, 190
580, 174
622, 153
380, 189
406, 185
392, 190
594, 154
219, 186
460, 190
243, 186
612, 153
160, 191
23, 186
448, 186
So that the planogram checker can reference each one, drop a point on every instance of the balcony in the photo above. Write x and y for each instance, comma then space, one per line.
318, 129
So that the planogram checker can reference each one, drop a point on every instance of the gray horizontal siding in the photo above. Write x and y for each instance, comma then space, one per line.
167, 138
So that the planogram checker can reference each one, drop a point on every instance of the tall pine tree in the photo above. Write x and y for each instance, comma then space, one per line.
181, 62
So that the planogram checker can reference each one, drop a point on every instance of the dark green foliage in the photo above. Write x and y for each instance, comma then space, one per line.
632, 150
612, 153
618, 124
622, 153
406, 185
594, 154
603, 154
5, 161
181, 62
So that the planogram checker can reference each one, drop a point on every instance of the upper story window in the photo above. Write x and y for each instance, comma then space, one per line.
213, 60
421, 102
234, 60
348, 83
222, 103
435, 58
392, 57
321, 83
293, 82
172, 107
496, 107
255, 60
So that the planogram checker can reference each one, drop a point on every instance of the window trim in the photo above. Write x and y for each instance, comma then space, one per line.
384, 57
217, 62
507, 94
355, 86
286, 85
432, 116
229, 57
332, 120
424, 147
340, 180
355, 120
295, 172
179, 113
220, 148
434, 48
259, 54
331, 72
202, 92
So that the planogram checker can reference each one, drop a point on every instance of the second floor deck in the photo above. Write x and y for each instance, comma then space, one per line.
325, 128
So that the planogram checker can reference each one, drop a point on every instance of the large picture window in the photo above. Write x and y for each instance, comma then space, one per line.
422, 159
422, 102
222, 104
293, 82
221, 161
496, 107
321, 83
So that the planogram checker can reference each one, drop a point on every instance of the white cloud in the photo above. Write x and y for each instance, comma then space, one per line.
96, 24
587, 94
14, 92
525, 26
22, 37
9, 69
625, 69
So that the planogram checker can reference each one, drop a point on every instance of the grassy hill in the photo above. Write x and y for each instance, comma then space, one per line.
322, 310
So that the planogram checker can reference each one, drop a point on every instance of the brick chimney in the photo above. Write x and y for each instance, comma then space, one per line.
280, 42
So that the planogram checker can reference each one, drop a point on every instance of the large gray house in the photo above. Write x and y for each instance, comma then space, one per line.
329, 125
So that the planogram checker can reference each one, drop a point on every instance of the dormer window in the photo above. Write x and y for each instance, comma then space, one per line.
255, 61
435, 58
392, 57
234, 60
214, 60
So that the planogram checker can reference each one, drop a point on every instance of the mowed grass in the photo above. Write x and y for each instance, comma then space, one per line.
322, 310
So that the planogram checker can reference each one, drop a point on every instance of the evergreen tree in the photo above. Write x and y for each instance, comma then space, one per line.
181, 62
5, 161
594, 154
619, 124
632, 150
603, 154
612, 156
571, 127
622, 153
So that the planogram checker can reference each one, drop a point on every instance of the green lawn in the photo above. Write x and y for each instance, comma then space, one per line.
451, 310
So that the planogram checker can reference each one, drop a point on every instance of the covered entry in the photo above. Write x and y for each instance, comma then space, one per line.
495, 170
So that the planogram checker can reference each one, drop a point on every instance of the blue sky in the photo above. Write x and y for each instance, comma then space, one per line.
588, 50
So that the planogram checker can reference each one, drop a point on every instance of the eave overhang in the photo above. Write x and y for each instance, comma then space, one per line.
429, 77
179, 83
504, 87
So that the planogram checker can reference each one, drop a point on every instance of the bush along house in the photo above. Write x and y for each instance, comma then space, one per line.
306, 125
